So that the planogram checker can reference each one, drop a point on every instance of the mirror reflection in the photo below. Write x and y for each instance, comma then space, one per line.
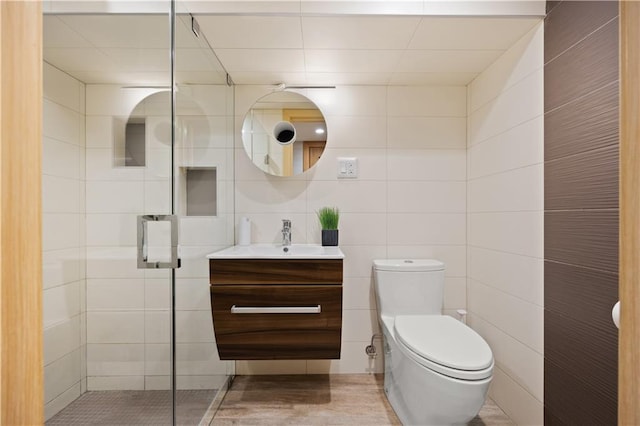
284, 134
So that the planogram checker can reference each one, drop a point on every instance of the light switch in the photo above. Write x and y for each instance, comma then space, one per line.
347, 167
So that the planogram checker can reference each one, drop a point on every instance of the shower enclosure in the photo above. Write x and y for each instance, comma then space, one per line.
137, 189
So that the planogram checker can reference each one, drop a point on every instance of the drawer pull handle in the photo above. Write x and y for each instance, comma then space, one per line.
275, 309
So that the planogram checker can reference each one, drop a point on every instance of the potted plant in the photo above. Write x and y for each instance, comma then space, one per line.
329, 217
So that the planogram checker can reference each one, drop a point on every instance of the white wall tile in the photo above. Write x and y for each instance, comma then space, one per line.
61, 303
60, 158
504, 191
359, 324
61, 88
519, 276
194, 261
157, 326
113, 262
524, 365
359, 259
261, 197
114, 197
517, 147
54, 406
353, 360
115, 360
358, 293
61, 375
500, 114
99, 130
61, 266
157, 293
427, 164
101, 165
351, 100
60, 123
427, 101
520, 60
204, 231
60, 195
61, 339
193, 294
111, 229
455, 293
522, 407
426, 132
199, 359
115, 327
61, 231
115, 295
427, 197
101, 383
426, 228
194, 326
356, 132
114, 100
351, 196
514, 232
521, 320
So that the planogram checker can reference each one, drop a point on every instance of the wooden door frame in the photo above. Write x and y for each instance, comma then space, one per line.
21, 366
629, 291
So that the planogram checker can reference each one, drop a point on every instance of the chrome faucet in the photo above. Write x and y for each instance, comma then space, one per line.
286, 232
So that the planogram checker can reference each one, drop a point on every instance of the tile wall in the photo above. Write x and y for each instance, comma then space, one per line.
505, 223
581, 212
63, 239
409, 199
128, 309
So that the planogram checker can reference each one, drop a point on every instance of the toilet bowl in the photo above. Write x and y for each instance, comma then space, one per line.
437, 370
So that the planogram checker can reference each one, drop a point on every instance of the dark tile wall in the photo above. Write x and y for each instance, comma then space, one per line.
581, 212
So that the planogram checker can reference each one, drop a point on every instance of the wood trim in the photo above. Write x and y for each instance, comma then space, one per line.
302, 115
629, 337
21, 388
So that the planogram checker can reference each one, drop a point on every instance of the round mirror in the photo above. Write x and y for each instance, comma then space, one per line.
284, 133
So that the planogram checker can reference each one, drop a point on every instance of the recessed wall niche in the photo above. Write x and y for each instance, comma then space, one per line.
199, 193
130, 141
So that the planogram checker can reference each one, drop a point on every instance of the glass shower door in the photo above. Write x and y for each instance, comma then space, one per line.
137, 172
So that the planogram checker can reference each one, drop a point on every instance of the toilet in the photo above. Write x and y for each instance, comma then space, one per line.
436, 369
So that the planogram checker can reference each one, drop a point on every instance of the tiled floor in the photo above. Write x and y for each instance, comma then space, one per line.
111, 408
319, 400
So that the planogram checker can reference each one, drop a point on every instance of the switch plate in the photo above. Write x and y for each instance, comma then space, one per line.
347, 167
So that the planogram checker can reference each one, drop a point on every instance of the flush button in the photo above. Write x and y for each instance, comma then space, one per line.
408, 261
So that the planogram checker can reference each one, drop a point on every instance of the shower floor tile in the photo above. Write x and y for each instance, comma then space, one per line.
111, 408
343, 399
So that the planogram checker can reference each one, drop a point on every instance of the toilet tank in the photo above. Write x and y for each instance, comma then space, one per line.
409, 286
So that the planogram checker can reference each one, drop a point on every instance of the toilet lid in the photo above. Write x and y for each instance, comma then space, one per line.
443, 340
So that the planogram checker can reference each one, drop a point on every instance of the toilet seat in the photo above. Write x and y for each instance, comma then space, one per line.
444, 345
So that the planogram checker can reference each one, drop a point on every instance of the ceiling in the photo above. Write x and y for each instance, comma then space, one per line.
266, 49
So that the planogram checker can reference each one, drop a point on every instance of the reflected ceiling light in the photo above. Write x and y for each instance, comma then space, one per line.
319, 131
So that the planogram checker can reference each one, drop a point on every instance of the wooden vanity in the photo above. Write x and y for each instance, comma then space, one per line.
278, 308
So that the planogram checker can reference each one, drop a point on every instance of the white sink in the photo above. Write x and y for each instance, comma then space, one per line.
278, 251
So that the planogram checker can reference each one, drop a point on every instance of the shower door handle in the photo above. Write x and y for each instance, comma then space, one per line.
143, 242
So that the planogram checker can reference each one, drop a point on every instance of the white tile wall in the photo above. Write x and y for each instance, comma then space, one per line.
505, 223
63, 237
128, 319
409, 199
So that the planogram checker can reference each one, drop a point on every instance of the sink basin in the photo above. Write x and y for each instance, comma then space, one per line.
278, 251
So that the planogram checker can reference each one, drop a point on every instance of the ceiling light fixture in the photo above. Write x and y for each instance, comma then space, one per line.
319, 131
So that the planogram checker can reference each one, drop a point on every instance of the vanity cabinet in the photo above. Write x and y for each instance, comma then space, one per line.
277, 308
